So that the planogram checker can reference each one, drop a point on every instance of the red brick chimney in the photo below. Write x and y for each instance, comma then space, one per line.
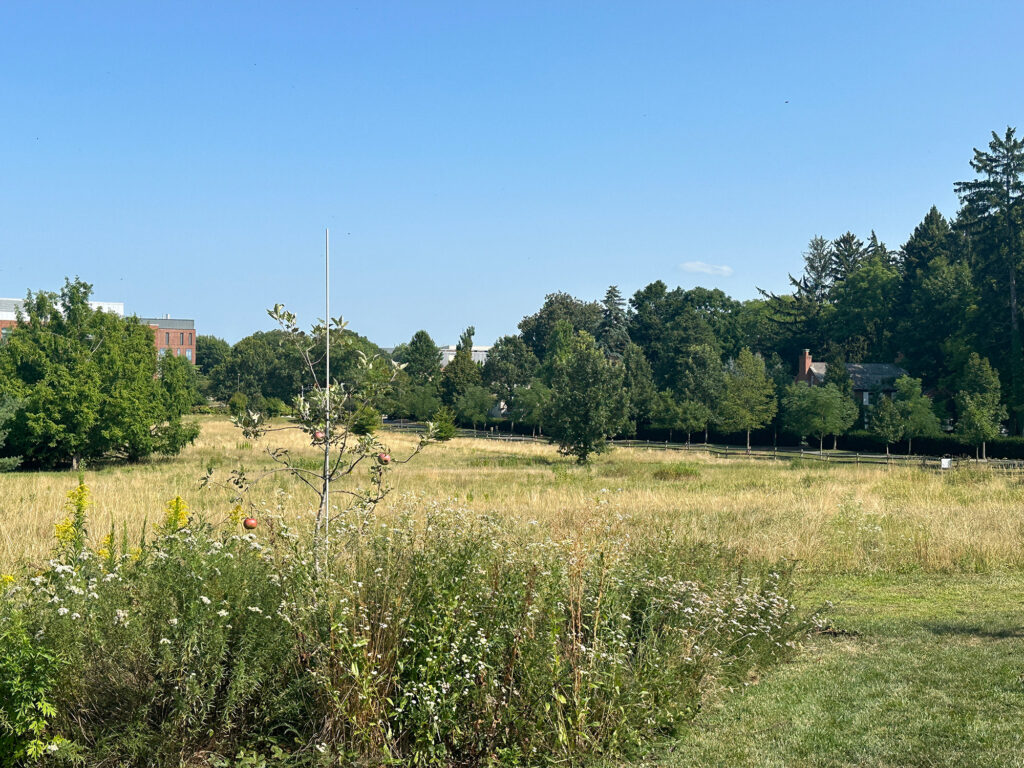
803, 369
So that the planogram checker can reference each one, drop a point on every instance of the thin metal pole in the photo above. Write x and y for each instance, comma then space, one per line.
327, 401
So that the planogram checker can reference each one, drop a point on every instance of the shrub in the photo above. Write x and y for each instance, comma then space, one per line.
444, 423
237, 404
439, 637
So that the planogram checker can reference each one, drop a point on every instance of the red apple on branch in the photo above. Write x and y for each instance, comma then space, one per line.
249, 523
384, 458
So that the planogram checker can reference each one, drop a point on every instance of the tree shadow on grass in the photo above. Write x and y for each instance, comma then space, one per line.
969, 630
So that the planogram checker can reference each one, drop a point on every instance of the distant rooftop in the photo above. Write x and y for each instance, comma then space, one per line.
9, 307
170, 323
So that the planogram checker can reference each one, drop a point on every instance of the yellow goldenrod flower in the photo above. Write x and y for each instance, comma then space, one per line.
176, 514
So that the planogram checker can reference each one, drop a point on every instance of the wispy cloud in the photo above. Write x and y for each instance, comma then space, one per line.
706, 269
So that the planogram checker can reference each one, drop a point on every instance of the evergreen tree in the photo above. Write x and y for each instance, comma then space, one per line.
612, 331
748, 401
587, 404
638, 384
422, 358
992, 216
461, 374
443, 422
848, 252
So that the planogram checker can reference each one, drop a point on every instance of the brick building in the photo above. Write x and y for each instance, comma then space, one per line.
173, 336
169, 333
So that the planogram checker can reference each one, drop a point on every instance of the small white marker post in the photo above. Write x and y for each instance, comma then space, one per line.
327, 400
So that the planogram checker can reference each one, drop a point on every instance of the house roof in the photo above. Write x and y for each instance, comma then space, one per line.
866, 377
871, 376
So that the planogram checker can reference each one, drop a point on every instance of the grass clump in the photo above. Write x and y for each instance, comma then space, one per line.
437, 637
680, 471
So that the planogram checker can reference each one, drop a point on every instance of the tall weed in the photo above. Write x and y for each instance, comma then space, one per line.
438, 637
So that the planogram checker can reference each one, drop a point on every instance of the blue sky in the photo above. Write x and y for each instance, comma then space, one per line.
471, 157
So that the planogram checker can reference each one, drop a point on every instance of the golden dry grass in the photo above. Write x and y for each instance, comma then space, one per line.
830, 517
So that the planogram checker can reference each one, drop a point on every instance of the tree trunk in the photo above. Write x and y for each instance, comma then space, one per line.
748, 441
821, 443
1015, 348
835, 441
75, 462
910, 441
983, 456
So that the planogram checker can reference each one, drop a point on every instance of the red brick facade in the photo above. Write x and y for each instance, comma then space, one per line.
173, 341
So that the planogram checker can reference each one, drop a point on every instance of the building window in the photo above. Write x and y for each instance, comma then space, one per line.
190, 339
181, 340
188, 354
167, 338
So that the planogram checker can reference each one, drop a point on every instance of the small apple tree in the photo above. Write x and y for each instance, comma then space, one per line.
333, 415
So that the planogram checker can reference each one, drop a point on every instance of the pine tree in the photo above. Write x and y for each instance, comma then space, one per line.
638, 384
461, 373
612, 332
993, 218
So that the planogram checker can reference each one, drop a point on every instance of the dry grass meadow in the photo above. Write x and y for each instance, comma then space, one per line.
831, 518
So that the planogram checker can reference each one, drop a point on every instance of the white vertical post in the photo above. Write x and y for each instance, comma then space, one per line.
327, 400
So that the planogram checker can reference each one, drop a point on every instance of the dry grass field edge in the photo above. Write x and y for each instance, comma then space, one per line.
830, 518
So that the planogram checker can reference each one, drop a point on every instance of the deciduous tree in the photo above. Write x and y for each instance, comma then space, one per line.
587, 404
749, 400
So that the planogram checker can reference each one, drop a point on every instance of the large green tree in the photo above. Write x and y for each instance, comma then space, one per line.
581, 316
461, 374
817, 411
748, 401
422, 358
979, 409
587, 403
919, 419
638, 384
8, 407
87, 384
510, 365
886, 422
992, 216
613, 330
210, 352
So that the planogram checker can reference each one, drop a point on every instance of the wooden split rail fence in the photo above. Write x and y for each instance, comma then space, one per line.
760, 453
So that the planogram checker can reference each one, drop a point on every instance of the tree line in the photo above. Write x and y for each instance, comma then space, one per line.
943, 306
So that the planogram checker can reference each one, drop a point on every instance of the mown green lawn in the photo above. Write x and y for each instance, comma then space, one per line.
922, 670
